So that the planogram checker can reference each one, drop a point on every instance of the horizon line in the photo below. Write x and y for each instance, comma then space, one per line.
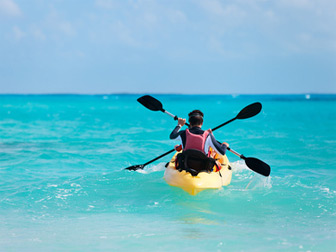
144, 93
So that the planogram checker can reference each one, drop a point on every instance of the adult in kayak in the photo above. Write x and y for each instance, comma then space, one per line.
195, 138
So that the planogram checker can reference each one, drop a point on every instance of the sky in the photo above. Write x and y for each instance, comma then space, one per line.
167, 46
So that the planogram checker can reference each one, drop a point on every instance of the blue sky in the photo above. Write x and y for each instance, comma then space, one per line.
168, 46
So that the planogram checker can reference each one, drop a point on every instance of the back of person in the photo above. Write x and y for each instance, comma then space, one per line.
197, 139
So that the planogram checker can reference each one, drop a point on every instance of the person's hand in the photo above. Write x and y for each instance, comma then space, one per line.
227, 145
181, 121
210, 131
178, 147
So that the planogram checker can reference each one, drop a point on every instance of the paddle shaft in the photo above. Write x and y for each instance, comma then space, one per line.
168, 152
224, 124
174, 116
165, 154
236, 153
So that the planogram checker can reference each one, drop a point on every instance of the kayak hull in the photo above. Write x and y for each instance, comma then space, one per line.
195, 184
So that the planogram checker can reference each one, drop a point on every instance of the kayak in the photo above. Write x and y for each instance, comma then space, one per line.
203, 180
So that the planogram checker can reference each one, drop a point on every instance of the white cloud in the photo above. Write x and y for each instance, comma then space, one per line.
220, 47
303, 4
56, 24
38, 34
216, 45
67, 28
294, 26
124, 34
176, 16
215, 7
9, 8
18, 33
106, 4
150, 19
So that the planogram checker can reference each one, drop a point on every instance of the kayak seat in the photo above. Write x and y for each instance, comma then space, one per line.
194, 162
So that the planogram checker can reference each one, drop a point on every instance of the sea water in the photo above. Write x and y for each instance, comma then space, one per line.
63, 186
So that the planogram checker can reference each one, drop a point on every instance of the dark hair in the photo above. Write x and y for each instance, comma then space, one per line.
196, 117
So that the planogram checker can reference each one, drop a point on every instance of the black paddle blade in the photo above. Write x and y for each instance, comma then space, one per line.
258, 166
150, 103
135, 167
249, 111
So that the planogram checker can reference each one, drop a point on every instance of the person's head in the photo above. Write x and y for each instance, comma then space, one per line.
196, 118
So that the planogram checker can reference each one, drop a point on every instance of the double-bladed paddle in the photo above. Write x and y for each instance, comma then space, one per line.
247, 112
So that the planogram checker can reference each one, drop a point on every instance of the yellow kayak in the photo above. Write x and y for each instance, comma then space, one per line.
204, 180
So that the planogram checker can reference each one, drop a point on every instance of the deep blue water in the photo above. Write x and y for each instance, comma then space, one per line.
63, 186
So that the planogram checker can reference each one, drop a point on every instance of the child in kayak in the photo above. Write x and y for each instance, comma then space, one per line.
196, 138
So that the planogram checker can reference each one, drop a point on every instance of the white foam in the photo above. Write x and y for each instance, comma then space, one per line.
238, 166
245, 175
154, 168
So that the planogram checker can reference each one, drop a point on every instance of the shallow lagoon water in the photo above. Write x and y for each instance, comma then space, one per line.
63, 187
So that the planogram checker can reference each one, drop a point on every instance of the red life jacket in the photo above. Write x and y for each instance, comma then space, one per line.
197, 142
194, 141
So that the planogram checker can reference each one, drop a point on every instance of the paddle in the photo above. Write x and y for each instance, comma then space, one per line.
249, 111
155, 105
254, 164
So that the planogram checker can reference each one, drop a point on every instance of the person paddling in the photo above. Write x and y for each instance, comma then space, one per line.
195, 138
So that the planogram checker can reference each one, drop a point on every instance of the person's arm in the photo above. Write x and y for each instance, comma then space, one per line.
214, 144
176, 132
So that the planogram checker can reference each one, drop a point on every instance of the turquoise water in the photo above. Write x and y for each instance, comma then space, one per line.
63, 187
